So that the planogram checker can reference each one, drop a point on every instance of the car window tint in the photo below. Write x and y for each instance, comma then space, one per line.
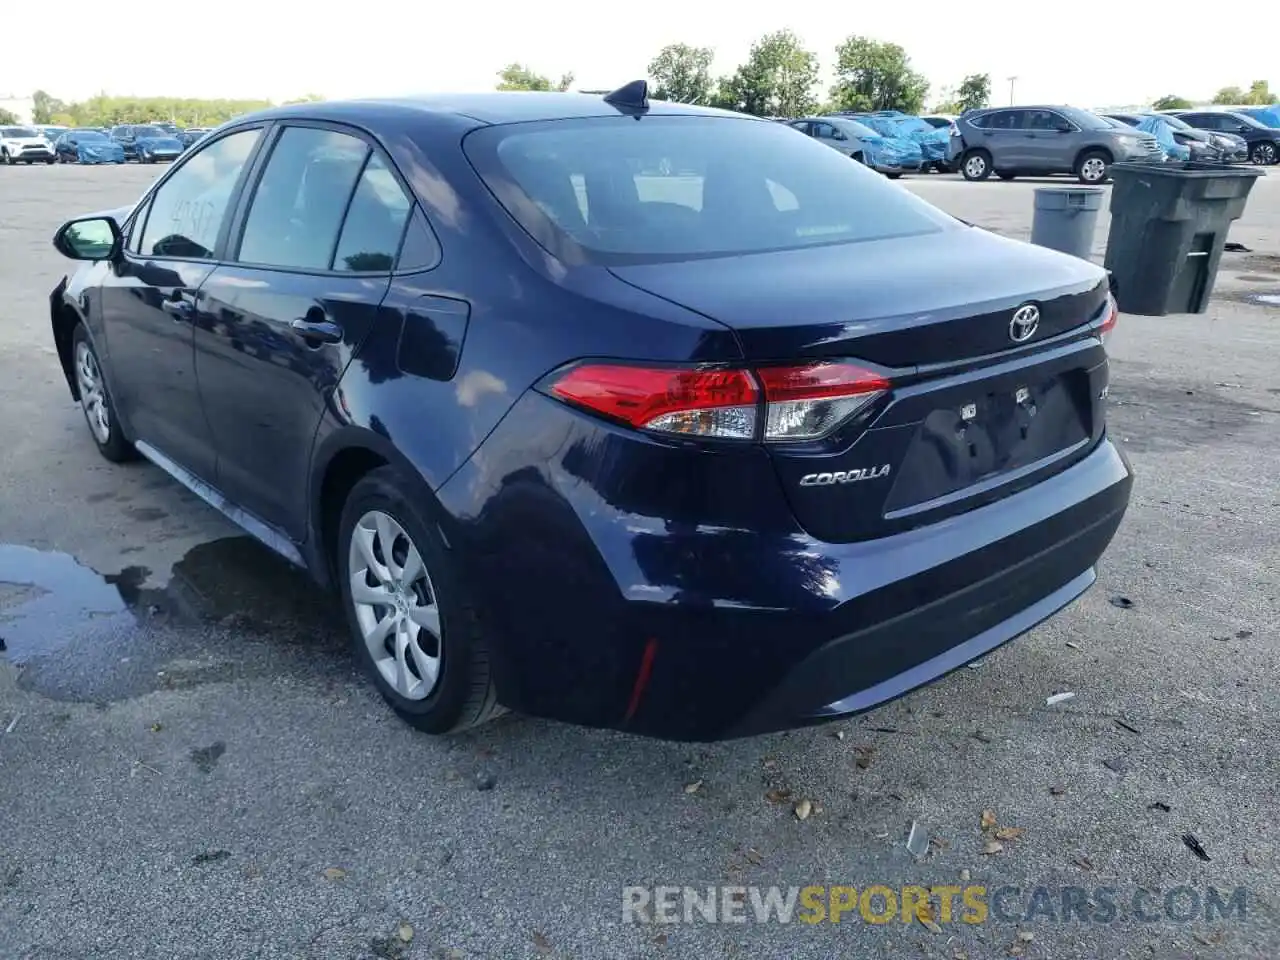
824, 130
133, 243
671, 188
188, 208
298, 205
1039, 120
420, 250
375, 221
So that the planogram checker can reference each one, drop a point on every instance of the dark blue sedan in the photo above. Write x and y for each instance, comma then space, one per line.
630, 414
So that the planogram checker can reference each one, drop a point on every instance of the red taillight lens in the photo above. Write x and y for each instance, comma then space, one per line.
802, 402
696, 402
807, 402
1110, 319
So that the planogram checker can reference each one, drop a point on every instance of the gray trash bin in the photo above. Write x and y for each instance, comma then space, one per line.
1066, 219
1169, 223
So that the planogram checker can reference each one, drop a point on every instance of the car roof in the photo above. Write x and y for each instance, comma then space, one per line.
499, 106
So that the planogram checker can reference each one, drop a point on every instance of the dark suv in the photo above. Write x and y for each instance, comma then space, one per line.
1263, 141
1009, 141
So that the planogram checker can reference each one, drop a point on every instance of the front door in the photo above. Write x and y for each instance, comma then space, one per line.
148, 302
318, 240
1049, 142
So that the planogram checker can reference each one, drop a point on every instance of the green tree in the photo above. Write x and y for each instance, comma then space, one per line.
974, 92
1229, 95
871, 75
777, 79
1260, 94
1170, 102
8, 117
305, 98
517, 76
682, 73
45, 107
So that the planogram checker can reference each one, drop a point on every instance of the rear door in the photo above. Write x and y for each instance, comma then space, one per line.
313, 244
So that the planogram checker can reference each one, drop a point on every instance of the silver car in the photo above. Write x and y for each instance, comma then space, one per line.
851, 138
1013, 141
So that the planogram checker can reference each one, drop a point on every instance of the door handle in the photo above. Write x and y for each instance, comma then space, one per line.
317, 329
180, 310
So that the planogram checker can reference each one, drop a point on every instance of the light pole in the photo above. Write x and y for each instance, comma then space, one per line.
1012, 81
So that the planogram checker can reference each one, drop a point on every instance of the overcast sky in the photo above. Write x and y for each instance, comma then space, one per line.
1111, 54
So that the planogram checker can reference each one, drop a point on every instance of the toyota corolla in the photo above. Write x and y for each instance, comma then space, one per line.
625, 413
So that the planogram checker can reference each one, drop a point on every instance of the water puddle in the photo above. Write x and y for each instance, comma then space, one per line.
1266, 299
45, 597
50, 601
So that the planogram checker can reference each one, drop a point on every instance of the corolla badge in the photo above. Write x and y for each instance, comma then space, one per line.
1024, 323
844, 476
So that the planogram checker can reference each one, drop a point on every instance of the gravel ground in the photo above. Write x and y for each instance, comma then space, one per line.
191, 767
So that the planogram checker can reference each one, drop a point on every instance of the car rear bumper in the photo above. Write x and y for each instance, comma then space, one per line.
626, 586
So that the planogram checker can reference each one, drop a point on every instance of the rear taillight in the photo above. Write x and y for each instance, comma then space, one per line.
804, 403
801, 402
1109, 319
698, 402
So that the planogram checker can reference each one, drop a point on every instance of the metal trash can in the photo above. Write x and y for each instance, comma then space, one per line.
1169, 223
1066, 219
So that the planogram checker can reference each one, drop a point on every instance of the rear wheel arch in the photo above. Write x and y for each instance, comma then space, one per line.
340, 462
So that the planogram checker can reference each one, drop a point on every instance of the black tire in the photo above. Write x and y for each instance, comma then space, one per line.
1264, 153
1005, 176
976, 165
858, 158
51, 161
114, 447
1084, 166
893, 176
4, 157
464, 695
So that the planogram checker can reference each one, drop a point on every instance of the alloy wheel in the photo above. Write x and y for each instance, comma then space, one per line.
1264, 154
1093, 169
395, 605
975, 166
93, 398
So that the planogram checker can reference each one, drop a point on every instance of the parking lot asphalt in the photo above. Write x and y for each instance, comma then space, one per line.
191, 767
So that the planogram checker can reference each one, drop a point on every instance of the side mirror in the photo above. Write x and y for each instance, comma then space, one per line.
92, 238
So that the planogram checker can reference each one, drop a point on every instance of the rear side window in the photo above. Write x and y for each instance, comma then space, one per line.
374, 223
673, 188
188, 208
299, 202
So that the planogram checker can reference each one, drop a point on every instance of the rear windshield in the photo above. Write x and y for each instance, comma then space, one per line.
149, 132
622, 190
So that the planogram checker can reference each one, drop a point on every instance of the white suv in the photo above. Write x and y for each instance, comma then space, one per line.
25, 144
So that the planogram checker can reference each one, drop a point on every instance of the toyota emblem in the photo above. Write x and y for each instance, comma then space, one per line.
1024, 323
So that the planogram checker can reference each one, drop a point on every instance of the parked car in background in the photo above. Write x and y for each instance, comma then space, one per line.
147, 143
892, 156
87, 145
1263, 141
52, 133
940, 120
25, 145
755, 447
1013, 141
193, 135
1204, 145
932, 141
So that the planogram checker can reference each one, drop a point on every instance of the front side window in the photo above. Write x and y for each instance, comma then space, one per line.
189, 207
298, 206
673, 188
